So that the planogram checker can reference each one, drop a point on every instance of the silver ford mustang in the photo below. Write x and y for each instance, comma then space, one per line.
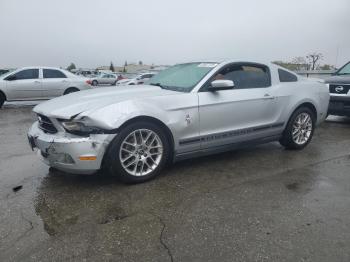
188, 110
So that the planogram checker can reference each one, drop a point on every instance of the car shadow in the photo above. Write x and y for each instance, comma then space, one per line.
343, 120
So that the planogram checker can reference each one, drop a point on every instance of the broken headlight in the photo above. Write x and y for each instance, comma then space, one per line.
79, 128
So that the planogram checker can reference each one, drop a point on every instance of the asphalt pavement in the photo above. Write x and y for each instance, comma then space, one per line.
261, 203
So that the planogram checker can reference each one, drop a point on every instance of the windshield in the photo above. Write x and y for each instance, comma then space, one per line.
182, 77
345, 70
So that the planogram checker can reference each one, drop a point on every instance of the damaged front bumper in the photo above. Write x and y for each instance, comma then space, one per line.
70, 153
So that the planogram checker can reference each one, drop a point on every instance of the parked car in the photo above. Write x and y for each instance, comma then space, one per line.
138, 80
86, 73
339, 88
4, 71
104, 79
35, 83
187, 110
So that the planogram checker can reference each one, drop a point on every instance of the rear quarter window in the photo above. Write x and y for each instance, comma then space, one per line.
52, 73
285, 76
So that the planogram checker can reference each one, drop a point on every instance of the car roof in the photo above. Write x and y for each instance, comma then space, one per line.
227, 61
37, 67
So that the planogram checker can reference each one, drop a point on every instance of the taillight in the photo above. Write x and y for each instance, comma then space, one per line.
89, 82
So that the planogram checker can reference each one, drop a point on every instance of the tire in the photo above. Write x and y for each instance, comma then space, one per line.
302, 125
115, 83
2, 99
132, 84
71, 90
134, 162
94, 83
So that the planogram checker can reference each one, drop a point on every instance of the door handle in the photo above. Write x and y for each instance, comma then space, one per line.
64, 81
268, 96
37, 82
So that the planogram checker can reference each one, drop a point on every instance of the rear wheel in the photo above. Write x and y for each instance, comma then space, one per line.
299, 130
70, 90
2, 99
94, 83
138, 153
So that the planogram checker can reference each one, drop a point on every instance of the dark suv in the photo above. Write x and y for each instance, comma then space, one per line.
339, 88
4, 71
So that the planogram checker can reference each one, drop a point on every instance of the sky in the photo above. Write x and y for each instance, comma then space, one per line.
94, 33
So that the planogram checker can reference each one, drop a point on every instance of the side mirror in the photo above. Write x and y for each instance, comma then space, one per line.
11, 78
217, 85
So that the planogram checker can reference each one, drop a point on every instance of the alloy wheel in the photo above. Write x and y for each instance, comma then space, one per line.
141, 152
302, 128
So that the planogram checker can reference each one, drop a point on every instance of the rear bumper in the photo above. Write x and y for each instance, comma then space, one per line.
66, 152
339, 105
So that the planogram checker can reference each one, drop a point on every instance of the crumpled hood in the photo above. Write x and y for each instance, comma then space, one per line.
344, 79
70, 105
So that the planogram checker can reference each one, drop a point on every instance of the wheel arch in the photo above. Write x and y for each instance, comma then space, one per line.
3, 94
153, 120
309, 105
70, 88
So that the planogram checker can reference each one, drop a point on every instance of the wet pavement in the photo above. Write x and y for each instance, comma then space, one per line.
257, 204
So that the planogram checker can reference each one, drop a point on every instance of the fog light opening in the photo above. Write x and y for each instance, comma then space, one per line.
63, 158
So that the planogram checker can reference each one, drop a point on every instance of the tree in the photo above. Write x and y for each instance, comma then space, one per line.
140, 63
124, 69
314, 58
111, 67
125, 64
71, 67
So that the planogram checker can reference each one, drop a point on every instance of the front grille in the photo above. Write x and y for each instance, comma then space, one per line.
46, 125
339, 89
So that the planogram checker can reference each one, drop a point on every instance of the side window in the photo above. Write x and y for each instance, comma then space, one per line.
286, 76
52, 73
27, 74
246, 75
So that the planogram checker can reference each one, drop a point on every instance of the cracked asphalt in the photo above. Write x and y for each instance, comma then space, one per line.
256, 204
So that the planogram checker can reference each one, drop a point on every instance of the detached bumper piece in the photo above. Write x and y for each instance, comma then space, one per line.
339, 105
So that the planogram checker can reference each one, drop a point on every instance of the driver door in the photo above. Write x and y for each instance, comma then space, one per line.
246, 112
24, 85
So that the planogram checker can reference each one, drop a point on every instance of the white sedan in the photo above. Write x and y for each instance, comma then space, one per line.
104, 79
187, 110
139, 80
36, 83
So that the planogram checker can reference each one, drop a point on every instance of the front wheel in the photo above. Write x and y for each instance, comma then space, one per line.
299, 130
2, 99
138, 153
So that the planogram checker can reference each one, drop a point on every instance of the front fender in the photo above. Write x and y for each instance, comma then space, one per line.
113, 116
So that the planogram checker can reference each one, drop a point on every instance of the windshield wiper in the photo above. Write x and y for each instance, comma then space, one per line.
156, 84
171, 88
